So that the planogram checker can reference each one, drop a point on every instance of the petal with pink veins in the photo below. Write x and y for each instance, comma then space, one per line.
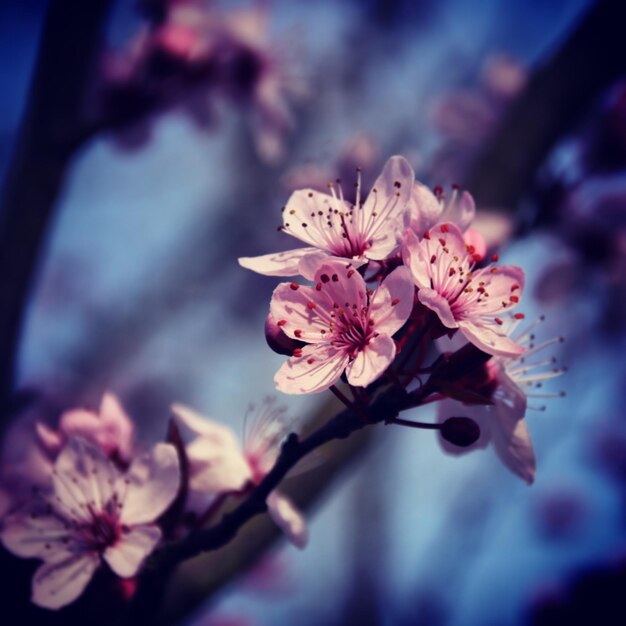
392, 302
288, 518
489, 340
432, 300
301, 312
278, 263
149, 486
341, 284
302, 219
383, 211
127, 554
59, 582
319, 367
371, 362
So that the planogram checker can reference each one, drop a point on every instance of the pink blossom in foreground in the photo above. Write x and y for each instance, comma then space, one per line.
346, 328
92, 512
472, 301
509, 382
219, 465
369, 230
109, 428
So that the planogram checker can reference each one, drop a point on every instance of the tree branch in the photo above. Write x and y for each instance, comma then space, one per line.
66, 62
161, 565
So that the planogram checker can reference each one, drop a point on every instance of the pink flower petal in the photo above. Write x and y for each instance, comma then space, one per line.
288, 518
216, 461
278, 263
460, 210
383, 211
82, 477
488, 339
33, 532
319, 367
215, 469
149, 486
475, 240
392, 302
302, 219
341, 284
510, 435
127, 554
57, 583
120, 430
504, 284
424, 210
111, 429
49, 439
301, 312
431, 299
412, 257
372, 361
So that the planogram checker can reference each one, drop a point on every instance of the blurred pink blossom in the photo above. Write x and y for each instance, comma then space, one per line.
93, 511
219, 465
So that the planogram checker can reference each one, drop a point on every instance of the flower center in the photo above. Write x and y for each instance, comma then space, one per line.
101, 531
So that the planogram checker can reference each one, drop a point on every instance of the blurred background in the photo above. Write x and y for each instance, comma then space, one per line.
145, 145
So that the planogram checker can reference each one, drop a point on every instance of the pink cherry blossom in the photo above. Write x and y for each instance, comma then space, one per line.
345, 327
426, 209
367, 231
511, 381
92, 512
109, 428
472, 301
219, 465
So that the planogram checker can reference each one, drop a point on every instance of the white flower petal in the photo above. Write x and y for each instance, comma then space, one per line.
278, 263
82, 477
288, 518
149, 486
298, 375
128, 553
490, 340
34, 533
57, 583
392, 302
371, 362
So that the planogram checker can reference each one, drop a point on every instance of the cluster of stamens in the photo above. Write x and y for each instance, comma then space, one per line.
340, 227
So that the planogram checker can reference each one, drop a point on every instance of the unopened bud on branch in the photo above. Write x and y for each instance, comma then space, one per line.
460, 431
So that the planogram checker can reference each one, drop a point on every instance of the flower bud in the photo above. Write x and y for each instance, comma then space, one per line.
460, 431
277, 340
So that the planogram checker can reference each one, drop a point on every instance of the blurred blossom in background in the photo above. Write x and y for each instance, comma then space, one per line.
205, 117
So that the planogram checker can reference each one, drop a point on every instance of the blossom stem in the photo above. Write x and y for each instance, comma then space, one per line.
411, 424
342, 397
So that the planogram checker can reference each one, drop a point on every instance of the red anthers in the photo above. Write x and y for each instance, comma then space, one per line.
295, 286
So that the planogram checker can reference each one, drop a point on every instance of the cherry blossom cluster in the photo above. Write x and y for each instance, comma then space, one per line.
393, 303
386, 274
